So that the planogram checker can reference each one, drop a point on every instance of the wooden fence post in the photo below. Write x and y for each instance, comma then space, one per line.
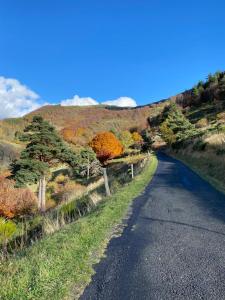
132, 171
106, 182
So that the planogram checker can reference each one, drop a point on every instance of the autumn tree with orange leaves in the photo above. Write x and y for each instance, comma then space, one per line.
106, 146
75, 136
68, 134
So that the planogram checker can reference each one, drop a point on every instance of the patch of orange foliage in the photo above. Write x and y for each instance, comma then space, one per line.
68, 134
73, 135
106, 146
15, 202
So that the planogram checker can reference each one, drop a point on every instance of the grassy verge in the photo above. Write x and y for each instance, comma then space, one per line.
54, 266
204, 168
130, 158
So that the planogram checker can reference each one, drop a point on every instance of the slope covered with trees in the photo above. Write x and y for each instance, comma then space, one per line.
80, 124
193, 125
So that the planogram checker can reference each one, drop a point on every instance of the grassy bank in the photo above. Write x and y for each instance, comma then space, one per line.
207, 168
62, 262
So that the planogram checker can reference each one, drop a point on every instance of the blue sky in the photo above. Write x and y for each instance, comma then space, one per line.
146, 50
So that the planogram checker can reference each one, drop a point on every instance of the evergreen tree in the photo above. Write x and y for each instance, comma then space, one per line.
44, 150
177, 125
200, 84
147, 140
167, 133
212, 78
195, 92
87, 163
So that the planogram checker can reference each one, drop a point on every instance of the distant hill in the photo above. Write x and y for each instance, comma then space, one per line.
203, 103
86, 119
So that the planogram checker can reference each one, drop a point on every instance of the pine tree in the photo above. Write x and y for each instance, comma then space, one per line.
44, 150
178, 125
167, 133
87, 163
147, 140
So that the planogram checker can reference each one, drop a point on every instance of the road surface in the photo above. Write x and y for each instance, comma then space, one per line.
173, 246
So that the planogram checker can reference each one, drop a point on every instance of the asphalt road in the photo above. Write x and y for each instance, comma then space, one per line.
173, 246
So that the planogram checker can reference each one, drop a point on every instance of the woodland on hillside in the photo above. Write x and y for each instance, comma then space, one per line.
196, 130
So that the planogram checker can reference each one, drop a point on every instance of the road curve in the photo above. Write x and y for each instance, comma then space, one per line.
173, 246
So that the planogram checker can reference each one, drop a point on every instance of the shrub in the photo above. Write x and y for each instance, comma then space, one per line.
74, 135
15, 202
137, 138
126, 138
63, 190
199, 145
221, 117
202, 123
61, 179
68, 134
78, 207
50, 202
7, 230
147, 139
220, 151
87, 163
52, 187
167, 133
220, 127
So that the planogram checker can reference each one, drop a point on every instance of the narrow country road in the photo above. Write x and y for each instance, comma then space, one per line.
173, 246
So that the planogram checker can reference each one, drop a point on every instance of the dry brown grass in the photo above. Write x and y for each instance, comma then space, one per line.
215, 140
210, 162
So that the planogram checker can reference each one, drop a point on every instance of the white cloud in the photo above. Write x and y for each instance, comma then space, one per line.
79, 101
83, 101
122, 102
16, 99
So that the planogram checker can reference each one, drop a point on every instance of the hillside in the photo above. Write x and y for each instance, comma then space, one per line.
89, 118
203, 105
76, 124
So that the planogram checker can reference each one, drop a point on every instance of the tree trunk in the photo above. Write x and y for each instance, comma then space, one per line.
106, 182
88, 168
4, 249
41, 194
132, 171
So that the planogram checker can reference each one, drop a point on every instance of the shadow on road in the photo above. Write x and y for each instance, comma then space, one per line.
183, 224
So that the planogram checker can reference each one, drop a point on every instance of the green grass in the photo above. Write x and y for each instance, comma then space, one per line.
62, 262
130, 159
